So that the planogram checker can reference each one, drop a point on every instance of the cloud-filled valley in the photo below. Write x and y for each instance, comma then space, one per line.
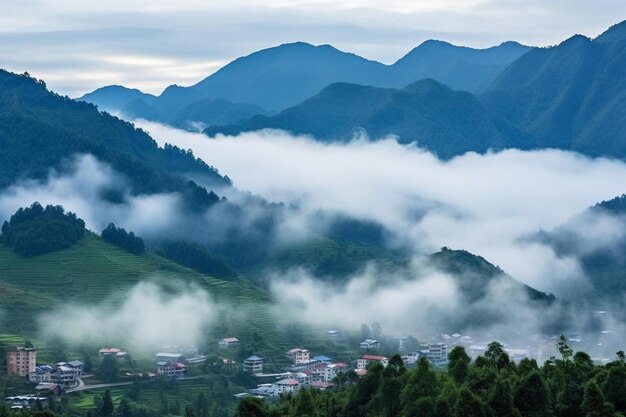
487, 204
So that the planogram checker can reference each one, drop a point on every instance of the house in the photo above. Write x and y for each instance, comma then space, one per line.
365, 360
65, 376
299, 356
112, 351
286, 385
25, 401
21, 361
302, 377
333, 334
48, 387
264, 390
42, 373
370, 344
437, 353
253, 364
322, 385
171, 369
322, 359
170, 357
228, 342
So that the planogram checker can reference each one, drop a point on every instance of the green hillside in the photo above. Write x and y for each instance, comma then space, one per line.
93, 270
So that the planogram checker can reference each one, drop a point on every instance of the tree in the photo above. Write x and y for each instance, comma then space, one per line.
458, 364
108, 370
124, 409
135, 390
123, 239
468, 405
531, 398
564, 349
107, 408
251, 407
594, 404
614, 387
501, 398
497, 356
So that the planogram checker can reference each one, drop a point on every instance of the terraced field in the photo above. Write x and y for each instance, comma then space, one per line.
95, 272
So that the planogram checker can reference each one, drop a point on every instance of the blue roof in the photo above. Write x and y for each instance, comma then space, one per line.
254, 358
321, 358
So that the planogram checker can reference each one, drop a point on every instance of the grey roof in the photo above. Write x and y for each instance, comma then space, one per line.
254, 358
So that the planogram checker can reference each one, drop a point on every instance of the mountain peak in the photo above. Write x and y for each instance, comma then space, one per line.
615, 33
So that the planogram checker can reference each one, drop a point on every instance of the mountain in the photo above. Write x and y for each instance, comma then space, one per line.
596, 238
474, 275
440, 119
279, 77
39, 130
212, 112
571, 96
458, 67
113, 98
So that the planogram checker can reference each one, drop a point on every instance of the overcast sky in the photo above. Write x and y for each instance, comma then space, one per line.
77, 46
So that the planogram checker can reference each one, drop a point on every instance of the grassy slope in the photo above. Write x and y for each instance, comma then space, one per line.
93, 270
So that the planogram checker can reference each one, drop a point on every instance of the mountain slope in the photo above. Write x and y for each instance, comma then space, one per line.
113, 98
571, 96
458, 67
283, 76
39, 130
444, 121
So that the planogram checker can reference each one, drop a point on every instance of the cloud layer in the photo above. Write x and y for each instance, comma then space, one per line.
146, 319
487, 204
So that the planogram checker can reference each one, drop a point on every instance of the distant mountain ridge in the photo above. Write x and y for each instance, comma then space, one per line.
276, 78
445, 121
571, 96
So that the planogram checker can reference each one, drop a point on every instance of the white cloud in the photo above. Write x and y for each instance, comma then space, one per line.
487, 204
142, 320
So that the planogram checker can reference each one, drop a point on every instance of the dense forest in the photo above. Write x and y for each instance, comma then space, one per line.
34, 230
126, 240
490, 385
196, 257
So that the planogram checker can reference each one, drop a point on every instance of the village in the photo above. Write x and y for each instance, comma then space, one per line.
300, 367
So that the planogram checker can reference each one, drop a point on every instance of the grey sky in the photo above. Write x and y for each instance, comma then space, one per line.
77, 46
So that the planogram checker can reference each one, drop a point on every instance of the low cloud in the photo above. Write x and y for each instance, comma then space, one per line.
487, 204
140, 320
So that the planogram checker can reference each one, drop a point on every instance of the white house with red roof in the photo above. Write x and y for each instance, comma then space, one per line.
286, 385
228, 342
112, 351
365, 360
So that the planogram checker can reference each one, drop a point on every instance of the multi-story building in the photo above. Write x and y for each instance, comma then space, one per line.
171, 369
21, 361
437, 353
253, 364
299, 356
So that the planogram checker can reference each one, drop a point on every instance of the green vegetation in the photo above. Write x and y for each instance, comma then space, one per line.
119, 237
40, 130
491, 385
34, 230
196, 257
445, 121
